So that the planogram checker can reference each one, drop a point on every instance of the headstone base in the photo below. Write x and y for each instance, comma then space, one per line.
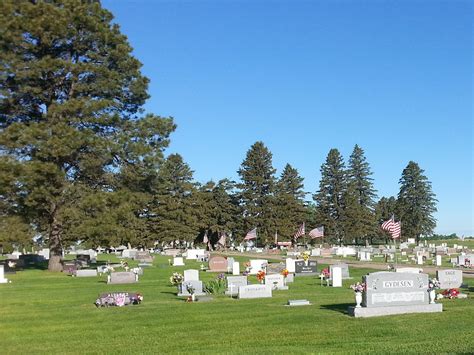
306, 274
3, 281
187, 294
364, 312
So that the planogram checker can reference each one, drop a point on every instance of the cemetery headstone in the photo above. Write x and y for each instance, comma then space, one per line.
294, 303
191, 275
218, 264
290, 278
236, 268
336, 276
344, 270
126, 277
178, 261
303, 268
276, 281
3, 280
394, 293
183, 288
290, 265
233, 284
275, 268
230, 264
438, 260
255, 291
449, 278
256, 265
85, 273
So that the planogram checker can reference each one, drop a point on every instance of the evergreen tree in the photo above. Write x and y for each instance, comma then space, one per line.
290, 210
416, 202
384, 210
330, 197
257, 189
174, 212
71, 97
359, 199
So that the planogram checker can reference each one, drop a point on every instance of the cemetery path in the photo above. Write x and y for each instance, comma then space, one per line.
358, 264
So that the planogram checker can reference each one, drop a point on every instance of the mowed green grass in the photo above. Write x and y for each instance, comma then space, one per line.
42, 312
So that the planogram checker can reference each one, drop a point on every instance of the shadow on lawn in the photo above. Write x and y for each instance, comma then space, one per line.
341, 307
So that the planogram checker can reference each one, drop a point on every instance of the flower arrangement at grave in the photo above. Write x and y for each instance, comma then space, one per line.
118, 299
358, 287
451, 293
216, 286
433, 284
248, 267
285, 272
261, 276
306, 257
176, 279
324, 275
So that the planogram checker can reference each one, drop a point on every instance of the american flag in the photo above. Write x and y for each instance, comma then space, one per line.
394, 228
251, 235
222, 239
317, 232
299, 232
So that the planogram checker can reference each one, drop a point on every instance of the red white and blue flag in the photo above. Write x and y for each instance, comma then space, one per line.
394, 228
251, 235
299, 232
317, 232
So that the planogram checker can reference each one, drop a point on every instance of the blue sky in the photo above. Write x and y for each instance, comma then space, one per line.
394, 77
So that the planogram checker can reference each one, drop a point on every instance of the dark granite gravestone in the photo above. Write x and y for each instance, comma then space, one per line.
302, 268
31, 259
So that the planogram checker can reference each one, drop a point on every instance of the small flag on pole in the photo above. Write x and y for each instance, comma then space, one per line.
222, 239
299, 232
394, 228
317, 232
251, 235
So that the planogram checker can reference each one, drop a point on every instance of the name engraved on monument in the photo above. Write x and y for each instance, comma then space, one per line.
395, 289
449, 278
302, 268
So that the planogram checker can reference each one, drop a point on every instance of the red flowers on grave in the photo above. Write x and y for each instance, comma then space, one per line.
260, 275
451, 293
284, 272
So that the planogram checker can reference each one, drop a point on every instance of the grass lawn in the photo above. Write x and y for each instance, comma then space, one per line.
42, 312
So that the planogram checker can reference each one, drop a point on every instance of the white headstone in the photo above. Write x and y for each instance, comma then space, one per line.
255, 291
235, 268
3, 280
438, 260
290, 265
336, 277
367, 256
411, 270
275, 281
256, 265
191, 275
419, 260
178, 261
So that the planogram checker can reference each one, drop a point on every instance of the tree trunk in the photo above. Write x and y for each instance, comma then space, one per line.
55, 247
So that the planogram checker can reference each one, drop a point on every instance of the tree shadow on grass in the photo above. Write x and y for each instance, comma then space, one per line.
341, 307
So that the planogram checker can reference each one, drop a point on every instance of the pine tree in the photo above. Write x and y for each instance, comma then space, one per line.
330, 196
290, 210
359, 199
174, 210
71, 97
257, 191
416, 202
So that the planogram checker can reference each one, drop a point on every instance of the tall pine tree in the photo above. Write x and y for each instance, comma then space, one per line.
257, 191
416, 202
290, 210
359, 198
330, 196
71, 97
